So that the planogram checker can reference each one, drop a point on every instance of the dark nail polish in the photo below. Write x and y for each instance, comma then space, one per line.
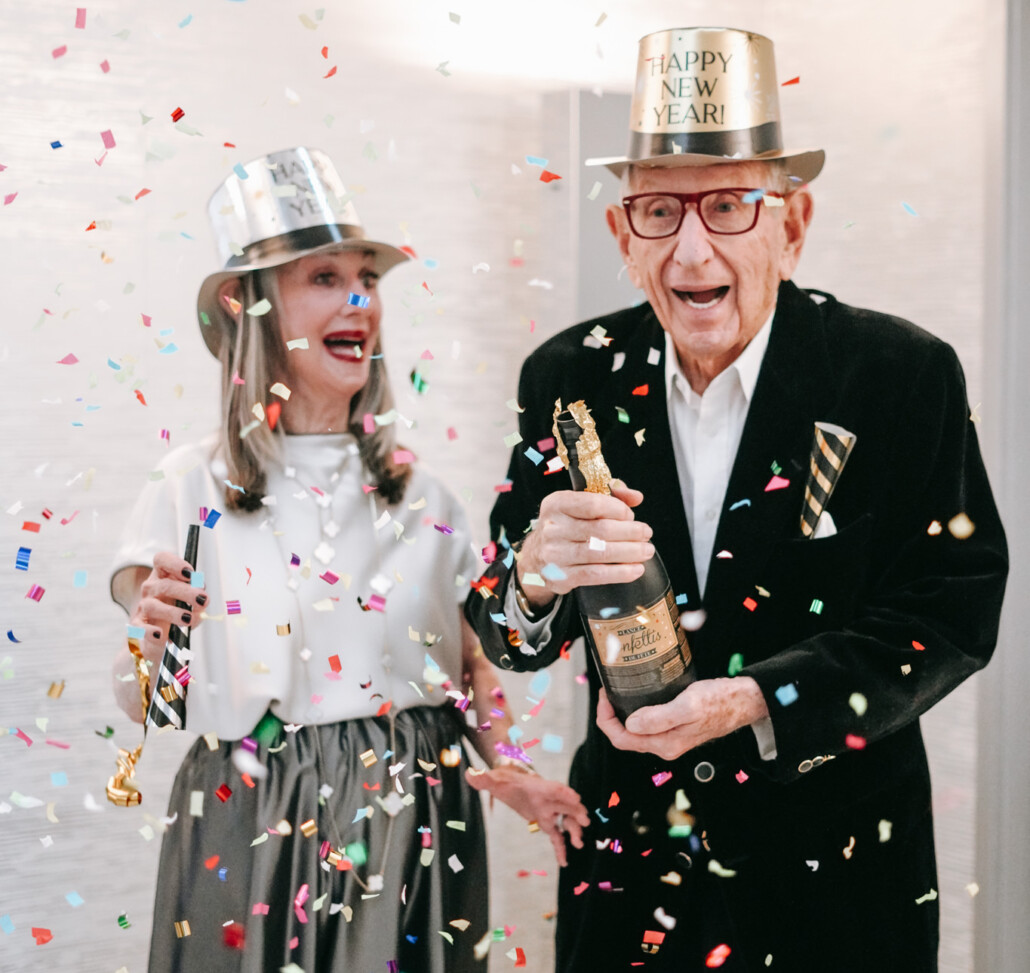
187, 573
201, 600
186, 617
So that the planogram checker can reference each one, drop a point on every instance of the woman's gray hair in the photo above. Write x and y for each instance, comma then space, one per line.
253, 359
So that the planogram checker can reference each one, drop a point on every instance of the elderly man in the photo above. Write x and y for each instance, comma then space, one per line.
776, 813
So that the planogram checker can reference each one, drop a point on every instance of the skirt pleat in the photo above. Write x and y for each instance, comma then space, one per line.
257, 893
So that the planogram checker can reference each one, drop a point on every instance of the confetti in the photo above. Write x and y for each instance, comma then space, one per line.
858, 703
885, 831
961, 527
776, 483
796, 80
80, 18
787, 694
908, 209
718, 956
929, 897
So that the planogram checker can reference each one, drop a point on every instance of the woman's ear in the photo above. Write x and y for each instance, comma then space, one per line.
229, 295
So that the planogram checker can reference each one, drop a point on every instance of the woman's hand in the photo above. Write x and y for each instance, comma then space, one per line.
555, 807
156, 607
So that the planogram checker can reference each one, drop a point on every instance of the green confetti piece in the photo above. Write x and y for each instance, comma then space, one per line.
736, 664
816, 608
623, 414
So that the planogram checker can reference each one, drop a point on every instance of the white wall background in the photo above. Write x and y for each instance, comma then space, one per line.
438, 160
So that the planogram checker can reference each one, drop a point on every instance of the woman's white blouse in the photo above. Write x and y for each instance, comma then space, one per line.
299, 642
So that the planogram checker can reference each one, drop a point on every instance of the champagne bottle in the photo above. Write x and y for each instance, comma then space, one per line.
633, 629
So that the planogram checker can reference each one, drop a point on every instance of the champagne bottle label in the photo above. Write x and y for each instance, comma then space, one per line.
642, 650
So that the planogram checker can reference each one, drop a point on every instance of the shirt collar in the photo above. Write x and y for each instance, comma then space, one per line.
747, 364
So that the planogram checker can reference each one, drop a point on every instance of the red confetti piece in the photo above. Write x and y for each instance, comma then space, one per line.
792, 81
426, 286
520, 956
613, 801
22, 735
36, 592
177, 114
272, 413
409, 251
325, 53
654, 937
385, 708
640, 390
248, 780
223, 793
31, 525
228, 145
233, 935
546, 176
371, 787
918, 646
750, 604
211, 862
143, 192
334, 663
145, 319
139, 395
718, 956
329, 73
41, 936
855, 742
581, 888
92, 226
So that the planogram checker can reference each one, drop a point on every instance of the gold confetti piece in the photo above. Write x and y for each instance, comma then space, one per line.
974, 416
961, 527
906, 669
182, 929
935, 528
929, 897
319, 902
264, 305
284, 827
308, 828
258, 411
716, 869
281, 390
858, 703
972, 888
451, 756
259, 840
147, 832
211, 739
427, 856
368, 758
297, 344
533, 827
885, 831
426, 765
413, 635
282, 629
682, 801
259, 668
461, 924
639, 437
672, 878
51, 816
55, 690
483, 946
447, 936
850, 850
418, 504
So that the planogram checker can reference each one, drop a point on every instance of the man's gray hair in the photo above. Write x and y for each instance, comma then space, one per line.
778, 179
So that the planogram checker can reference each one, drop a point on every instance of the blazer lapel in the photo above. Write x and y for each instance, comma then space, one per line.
766, 488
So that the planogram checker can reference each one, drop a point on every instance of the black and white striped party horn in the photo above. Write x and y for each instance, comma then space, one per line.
830, 451
168, 702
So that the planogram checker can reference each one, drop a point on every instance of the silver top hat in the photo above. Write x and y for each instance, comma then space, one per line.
278, 208
707, 95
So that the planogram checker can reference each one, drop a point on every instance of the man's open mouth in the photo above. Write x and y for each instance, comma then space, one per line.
702, 299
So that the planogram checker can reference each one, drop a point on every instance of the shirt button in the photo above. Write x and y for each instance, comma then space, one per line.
711, 515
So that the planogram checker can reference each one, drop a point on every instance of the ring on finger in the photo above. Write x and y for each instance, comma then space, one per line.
559, 821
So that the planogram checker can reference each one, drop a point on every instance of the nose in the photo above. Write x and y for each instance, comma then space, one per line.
693, 242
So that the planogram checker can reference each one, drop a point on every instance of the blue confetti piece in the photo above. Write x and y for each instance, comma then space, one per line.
740, 503
552, 743
212, 518
430, 264
56, 145
74, 899
535, 160
186, 21
240, 171
753, 197
92, 408
540, 683
509, 558
6, 924
21, 560
197, 579
79, 579
908, 209
608, 612
223, 874
11, 638
185, 235
499, 617
553, 573
681, 599
135, 631
59, 778
597, 811
78, 424
514, 732
114, 365
533, 456
787, 694
165, 332
169, 349
358, 300
411, 939
431, 663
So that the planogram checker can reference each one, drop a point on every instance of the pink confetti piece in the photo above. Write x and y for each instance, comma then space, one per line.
105, 66
68, 359
776, 483
59, 51
427, 355
80, 18
58, 743
663, 777
377, 603
854, 742
232, 607
36, 592
741, 776
21, 735
298, 904
443, 528
108, 138
403, 456
10, 198
452, 433
369, 424
330, 577
259, 909
65, 521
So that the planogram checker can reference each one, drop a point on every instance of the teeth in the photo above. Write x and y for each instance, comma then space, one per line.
711, 303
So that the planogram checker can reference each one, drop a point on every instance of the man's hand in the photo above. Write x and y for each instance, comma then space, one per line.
705, 710
589, 537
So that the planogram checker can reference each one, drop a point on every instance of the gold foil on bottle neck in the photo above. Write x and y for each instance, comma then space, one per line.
588, 448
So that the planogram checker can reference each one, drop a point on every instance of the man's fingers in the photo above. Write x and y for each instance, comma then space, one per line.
629, 496
581, 505
649, 720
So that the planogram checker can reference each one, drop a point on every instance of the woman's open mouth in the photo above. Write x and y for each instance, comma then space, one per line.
345, 345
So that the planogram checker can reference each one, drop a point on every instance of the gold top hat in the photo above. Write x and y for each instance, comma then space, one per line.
275, 209
707, 95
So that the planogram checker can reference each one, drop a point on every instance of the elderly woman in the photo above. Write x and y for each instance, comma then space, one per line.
326, 817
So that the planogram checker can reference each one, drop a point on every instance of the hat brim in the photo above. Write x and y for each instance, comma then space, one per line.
385, 258
805, 164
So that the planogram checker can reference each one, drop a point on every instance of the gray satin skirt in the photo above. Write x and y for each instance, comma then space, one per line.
257, 901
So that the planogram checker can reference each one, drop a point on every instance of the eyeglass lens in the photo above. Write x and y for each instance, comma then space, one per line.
734, 211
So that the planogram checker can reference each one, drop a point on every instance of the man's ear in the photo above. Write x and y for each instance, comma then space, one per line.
618, 223
799, 207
